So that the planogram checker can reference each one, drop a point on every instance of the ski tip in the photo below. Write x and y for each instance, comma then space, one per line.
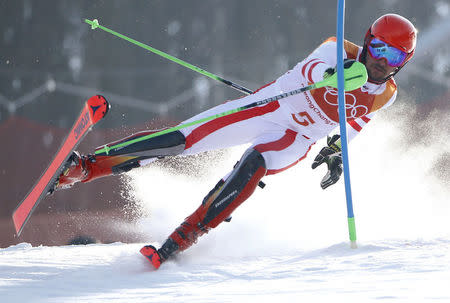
152, 255
98, 107
108, 105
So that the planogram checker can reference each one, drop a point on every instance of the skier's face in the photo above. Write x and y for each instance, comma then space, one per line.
378, 69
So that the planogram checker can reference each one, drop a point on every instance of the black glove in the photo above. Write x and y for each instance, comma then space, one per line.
332, 156
331, 71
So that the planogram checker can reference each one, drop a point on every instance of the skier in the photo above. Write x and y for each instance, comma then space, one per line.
281, 132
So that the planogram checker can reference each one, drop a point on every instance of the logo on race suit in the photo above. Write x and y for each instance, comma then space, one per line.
317, 111
81, 125
353, 111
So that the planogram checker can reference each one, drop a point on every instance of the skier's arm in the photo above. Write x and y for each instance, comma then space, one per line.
323, 58
357, 124
331, 155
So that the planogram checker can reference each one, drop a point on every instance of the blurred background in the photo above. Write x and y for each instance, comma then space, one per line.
51, 62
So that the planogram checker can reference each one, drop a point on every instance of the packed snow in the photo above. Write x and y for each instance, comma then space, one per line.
287, 243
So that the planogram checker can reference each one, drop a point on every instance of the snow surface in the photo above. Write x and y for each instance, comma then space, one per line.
386, 271
287, 243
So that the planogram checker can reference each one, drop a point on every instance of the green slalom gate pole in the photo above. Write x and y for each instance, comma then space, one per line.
343, 120
94, 24
355, 76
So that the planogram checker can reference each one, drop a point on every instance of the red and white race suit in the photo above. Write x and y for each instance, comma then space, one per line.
280, 133
283, 131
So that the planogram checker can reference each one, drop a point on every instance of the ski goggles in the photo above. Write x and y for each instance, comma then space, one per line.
380, 49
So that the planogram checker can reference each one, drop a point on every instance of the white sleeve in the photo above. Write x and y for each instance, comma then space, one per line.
322, 58
357, 125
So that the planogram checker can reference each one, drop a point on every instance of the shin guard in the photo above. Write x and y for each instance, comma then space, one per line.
169, 144
123, 159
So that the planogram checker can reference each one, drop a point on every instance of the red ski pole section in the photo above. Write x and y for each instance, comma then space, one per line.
94, 109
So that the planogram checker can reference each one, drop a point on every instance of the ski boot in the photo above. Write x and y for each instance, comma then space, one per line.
74, 170
79, 168
158, 256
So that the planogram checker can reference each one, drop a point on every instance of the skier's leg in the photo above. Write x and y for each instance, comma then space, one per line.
85, 168
235, 129
270, 154
216, 207
283, 150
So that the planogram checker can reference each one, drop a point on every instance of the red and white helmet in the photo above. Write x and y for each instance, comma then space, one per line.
396, 31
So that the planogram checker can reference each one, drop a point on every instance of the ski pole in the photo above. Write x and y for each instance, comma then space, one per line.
94, 24
355, 77
342, 120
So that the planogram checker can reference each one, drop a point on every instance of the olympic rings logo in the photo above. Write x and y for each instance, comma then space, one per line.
350, 103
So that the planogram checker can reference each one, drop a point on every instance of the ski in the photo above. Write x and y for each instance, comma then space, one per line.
94, 109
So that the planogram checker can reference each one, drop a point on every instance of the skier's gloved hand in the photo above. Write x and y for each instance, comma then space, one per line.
331, 155
332, 70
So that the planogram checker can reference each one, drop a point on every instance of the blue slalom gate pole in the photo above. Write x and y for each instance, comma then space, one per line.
343, 119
